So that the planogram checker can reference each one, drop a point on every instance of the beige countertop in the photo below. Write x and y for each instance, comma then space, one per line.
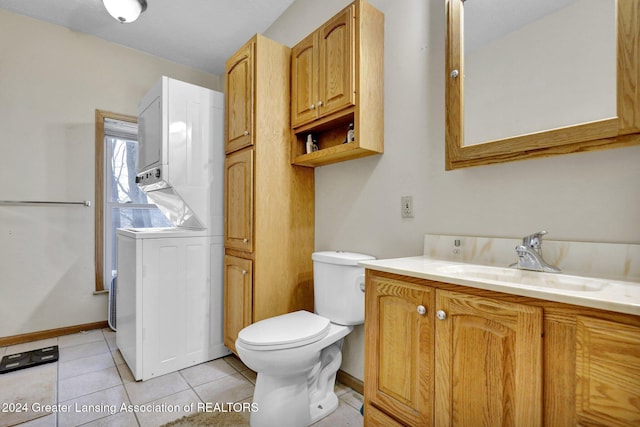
605, 294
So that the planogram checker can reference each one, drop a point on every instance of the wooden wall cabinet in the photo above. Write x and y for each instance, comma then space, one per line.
269, 204
499, 358
337, 79
322, 70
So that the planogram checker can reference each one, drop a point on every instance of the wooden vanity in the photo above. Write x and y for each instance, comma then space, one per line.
446, 354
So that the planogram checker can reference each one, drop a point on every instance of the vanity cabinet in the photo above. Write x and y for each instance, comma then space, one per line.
444, 355
337, 80
269, 204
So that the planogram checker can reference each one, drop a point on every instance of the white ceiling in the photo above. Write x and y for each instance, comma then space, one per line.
199, 33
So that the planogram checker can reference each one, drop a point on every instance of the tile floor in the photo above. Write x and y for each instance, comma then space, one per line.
92, 381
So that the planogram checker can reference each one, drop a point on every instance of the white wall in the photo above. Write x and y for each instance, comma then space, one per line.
585, 197
51, 82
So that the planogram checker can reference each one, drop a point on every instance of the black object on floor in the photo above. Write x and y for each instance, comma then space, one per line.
13, 362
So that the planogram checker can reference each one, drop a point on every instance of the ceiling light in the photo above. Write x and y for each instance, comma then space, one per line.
125, 11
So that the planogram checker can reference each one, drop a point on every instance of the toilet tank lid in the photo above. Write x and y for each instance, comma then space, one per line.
339, 257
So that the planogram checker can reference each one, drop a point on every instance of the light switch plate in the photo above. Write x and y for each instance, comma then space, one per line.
406, 207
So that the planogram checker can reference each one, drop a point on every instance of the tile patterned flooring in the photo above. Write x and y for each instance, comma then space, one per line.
92, 381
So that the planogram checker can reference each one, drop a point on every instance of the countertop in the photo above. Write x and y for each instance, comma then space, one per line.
605, 294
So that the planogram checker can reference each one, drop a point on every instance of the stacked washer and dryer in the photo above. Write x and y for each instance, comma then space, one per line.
169, 296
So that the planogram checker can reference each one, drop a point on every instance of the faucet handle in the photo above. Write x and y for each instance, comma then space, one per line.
534, 240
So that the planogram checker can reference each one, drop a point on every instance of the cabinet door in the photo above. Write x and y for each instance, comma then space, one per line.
337, 62
304, 81
238, 217
608, 373
238, 287
239, 99
488, 362
399, 350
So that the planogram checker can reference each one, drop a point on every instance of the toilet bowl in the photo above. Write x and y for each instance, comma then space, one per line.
297, 355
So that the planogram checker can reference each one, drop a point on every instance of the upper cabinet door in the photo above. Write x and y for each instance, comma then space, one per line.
239, 99
323, 70
304, 81
337, 63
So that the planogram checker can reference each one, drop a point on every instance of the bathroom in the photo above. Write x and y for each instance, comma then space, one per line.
47, 264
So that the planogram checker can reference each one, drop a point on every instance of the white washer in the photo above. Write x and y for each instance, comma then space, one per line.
169, 299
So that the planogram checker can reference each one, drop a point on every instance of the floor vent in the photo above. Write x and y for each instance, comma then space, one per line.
112, 304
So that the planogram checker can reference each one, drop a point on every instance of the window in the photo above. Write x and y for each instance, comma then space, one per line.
119, 201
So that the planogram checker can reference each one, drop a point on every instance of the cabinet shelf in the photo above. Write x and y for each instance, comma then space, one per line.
334, 154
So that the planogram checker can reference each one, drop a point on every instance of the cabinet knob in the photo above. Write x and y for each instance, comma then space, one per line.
244, 272
246, 132
454, 74
440, 314
245, 240
319, 103
421, 310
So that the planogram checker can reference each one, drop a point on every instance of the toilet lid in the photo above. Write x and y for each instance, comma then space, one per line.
285, 331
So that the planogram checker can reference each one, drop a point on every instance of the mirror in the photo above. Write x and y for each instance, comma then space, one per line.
537, 65
539, 78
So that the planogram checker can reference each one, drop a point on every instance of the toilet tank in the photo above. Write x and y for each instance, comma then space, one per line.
338, 286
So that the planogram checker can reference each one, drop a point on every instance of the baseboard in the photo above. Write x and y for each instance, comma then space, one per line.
350, 381
50, 333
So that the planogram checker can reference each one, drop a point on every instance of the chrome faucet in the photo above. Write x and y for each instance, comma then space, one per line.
530, 255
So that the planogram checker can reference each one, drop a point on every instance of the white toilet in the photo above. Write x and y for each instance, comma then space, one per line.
297, 355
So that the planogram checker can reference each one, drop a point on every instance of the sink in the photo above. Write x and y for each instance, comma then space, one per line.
525, 277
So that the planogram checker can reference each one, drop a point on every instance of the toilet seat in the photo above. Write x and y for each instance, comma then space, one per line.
285, 331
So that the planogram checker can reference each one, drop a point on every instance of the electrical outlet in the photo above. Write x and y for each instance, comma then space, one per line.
406, 208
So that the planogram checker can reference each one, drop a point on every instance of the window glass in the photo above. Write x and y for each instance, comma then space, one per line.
125, 204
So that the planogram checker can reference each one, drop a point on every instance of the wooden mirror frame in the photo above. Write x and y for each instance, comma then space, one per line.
620, 131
